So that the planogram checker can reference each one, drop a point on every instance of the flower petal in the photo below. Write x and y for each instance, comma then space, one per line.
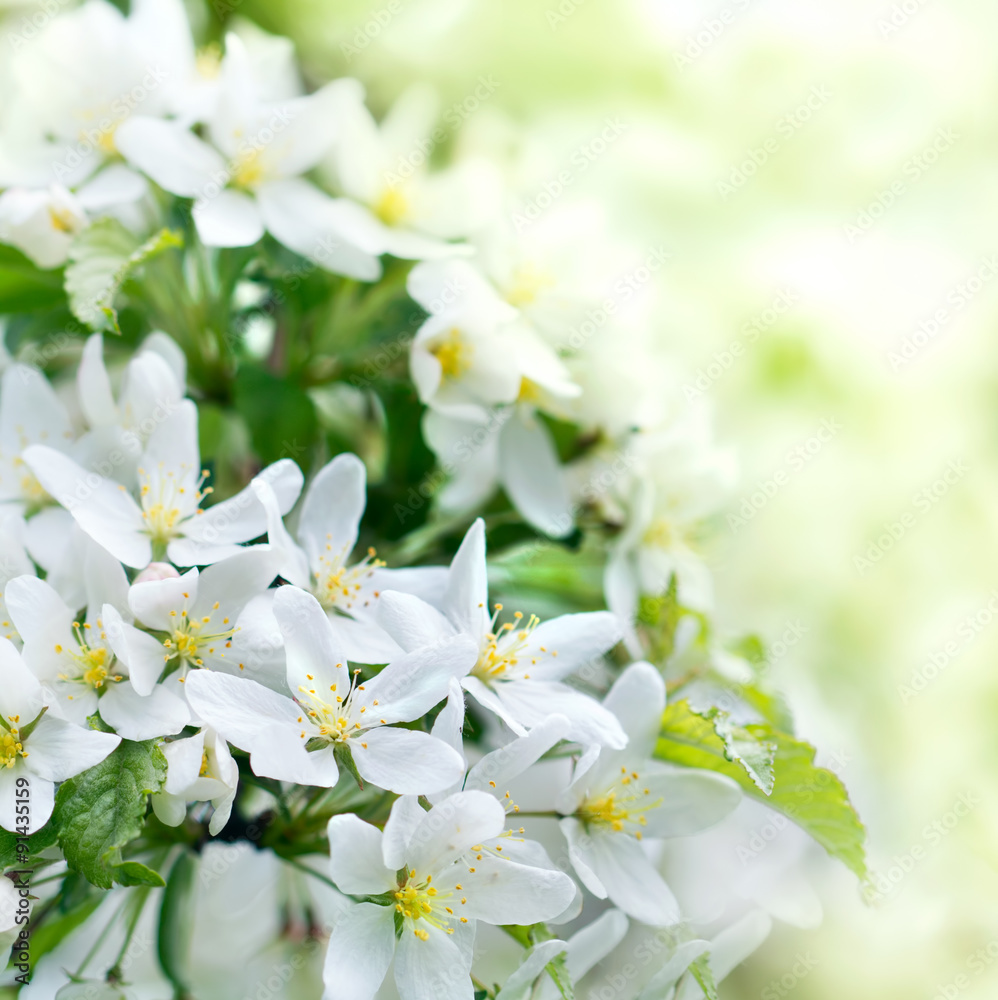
229, 219
452, 827
410, 621
571, 642
176, 159
431, 969
332, 508
631, 880
467, 594
637, 699
359, 954
412, 685
100, 507
356, 863
533, 477
134, 717
501, 766
402, 821
406, 761
59, 750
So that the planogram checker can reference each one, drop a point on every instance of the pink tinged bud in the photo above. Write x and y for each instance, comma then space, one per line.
157, 571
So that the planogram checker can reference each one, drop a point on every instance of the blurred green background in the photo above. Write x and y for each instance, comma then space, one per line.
823, 176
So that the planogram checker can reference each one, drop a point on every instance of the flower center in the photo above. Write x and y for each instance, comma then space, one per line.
204, 764
192, 636
503, 648
453, 353
338, 586
32, 491
91, 662
247, 169
661, 533
63, 220
528, 282
622, 808
392, 206
418, 900
163, 504
10, 743
339, 719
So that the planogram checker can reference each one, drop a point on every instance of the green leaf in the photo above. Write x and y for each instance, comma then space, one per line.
813, 797
100, 260
176, 921
99, 811
132, 873
25, 287
700, 970
744, 747
557, 969
279, 414
37, 842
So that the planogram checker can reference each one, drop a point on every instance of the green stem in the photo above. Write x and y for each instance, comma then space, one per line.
102, 937
139, 898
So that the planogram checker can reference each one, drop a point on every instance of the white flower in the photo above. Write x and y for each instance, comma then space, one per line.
472, 353
152, 387
200, 769
521, 664
200, 620
14, 562
426, 867
332, 713
75, 657
88, 71
320, 562
618, 797
41, 223
37, 749
249, 178
675, 479
553, 270
167, 518
401, 208
30, 414
512, 450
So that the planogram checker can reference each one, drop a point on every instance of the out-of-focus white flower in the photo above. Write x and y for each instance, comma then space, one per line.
89, 71
551, 271
728, 949
119, 429
587, 948
401, 207
674, 479
41, 222
521, 665
14, 562
249, 178
30, 414
199, 769
421, 864
37, 749
167, 518
12, 917
320, 563
616, 798
298, 738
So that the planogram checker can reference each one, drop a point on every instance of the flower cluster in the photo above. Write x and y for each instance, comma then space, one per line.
212, 629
